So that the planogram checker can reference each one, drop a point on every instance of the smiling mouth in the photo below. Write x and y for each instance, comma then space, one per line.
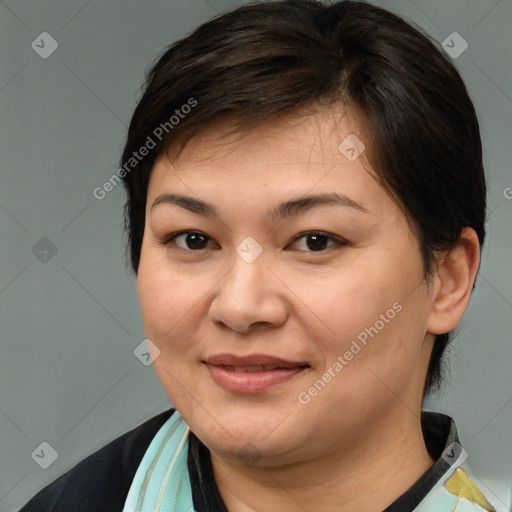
252, 374
258, 368
252, 361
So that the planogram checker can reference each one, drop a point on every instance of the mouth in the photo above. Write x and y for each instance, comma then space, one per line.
252, 374
253, 368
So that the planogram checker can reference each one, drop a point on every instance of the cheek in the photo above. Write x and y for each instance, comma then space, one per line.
353, 299
169, 303
167, 308
375, 304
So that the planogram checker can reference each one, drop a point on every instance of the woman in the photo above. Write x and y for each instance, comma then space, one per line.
305, 216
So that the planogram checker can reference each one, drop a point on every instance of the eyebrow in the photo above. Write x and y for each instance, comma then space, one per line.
288, 208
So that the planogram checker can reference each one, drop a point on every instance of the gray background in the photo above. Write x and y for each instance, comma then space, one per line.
70, 320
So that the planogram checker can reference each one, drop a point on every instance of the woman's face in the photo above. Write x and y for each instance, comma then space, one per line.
277, 342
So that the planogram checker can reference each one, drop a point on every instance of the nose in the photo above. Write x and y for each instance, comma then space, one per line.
248, 296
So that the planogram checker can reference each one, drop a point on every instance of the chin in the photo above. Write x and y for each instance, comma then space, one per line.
244, 451
242, 435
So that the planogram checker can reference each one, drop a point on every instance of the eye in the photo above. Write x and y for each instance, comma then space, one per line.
190, 240
317, 241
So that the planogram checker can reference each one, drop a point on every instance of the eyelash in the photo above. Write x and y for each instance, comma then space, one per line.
168, 240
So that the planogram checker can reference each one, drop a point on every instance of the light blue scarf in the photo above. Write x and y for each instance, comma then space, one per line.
162, 482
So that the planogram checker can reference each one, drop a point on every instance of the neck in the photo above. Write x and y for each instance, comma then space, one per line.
367, 474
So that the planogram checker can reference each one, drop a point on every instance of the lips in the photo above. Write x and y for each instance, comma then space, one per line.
252, 374
251, 368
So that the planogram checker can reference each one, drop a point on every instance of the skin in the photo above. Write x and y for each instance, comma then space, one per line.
357, 444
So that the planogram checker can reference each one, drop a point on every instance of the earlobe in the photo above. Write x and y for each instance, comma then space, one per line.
453, 283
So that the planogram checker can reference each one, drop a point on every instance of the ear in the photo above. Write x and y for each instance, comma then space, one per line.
453, 283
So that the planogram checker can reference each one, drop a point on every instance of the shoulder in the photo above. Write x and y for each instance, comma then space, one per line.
460, 490
450, 484
101, 481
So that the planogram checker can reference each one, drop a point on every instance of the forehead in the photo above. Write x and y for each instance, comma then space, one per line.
305, 139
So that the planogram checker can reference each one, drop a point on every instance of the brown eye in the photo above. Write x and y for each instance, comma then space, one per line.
318, 241
190, 240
